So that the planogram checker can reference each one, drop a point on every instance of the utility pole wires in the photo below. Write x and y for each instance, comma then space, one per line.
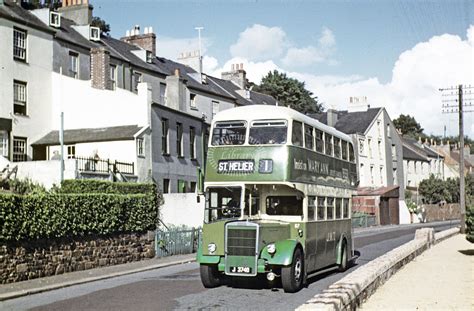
454, 102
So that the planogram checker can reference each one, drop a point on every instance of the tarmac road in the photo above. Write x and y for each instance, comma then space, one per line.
179, 287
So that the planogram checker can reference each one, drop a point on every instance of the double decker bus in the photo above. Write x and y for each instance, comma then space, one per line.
278, 188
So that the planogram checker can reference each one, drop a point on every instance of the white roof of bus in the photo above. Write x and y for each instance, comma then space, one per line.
267, 112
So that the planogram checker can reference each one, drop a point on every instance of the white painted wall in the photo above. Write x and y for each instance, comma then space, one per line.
373, 156
87, 107
36, 72
46, 173
124, 151
182, 209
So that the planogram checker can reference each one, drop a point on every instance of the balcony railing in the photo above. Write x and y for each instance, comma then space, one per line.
92, 164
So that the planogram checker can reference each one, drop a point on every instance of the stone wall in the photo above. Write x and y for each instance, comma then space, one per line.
29, 260
438, 212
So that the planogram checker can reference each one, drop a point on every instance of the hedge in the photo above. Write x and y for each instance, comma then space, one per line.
470, 224
45, 216
103, 186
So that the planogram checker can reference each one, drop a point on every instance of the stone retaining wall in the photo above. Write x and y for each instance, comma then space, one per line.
440, 212
29, 260
349, 292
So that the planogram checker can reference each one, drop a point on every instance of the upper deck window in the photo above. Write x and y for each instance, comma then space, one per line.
229, 133
308, 136
337, 147
328, 143
296, 134
319, 141
351, 153
268, 132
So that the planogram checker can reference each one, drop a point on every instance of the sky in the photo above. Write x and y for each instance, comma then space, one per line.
397, 53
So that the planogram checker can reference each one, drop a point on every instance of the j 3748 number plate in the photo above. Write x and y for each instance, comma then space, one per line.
240, 270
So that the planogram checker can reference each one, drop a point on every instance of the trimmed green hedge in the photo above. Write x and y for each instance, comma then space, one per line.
103, 186
43, 216
470, 224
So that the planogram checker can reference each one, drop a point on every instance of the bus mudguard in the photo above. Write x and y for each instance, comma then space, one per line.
283, 255
204, 259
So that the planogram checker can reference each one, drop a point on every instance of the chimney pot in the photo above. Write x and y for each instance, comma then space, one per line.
150, 29
176, 72
241, 66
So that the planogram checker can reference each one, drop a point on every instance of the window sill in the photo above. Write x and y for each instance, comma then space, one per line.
194, 108
21, 115
23, 61
165, 154
141, 156
180, 157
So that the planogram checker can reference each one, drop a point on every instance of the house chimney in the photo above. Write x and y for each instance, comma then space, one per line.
332, 117
358, 104
79, 11
193, 60
237, 75
100, 68
146, 41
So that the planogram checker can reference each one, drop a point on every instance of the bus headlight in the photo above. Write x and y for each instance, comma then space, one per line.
211, 247
271, 248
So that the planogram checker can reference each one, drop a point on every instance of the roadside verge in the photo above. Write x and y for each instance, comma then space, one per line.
356, 287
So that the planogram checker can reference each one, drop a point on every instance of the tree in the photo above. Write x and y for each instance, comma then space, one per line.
289, 92
408, 126
99, 22
434, 190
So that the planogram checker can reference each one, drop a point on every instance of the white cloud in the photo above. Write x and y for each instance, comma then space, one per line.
170, 48
417, 75
209, 63
301, 57
259, 43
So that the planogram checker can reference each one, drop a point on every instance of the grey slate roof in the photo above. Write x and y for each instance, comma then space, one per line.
16, 13
410, 154
255, 97
423, 149
350, 122
114, 133
67, 33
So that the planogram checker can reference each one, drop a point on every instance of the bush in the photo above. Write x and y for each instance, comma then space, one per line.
103, 186
470, 224
46, 216
24, 186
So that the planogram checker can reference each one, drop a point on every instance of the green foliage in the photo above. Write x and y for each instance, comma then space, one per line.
24, 186
408, 126
470, 224
44, 216
103, 186
434, 190
99, 22
289, 92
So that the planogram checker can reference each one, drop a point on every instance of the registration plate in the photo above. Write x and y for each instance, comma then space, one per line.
244, 270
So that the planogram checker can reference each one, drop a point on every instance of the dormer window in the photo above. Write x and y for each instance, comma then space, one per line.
149, 57
55, 19
94, 34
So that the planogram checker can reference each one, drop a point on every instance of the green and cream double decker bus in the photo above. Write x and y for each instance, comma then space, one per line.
278, 188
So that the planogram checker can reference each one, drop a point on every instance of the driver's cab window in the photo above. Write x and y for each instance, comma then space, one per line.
284, 206
222, 203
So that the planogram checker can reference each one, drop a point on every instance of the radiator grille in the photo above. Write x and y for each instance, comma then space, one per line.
241, 242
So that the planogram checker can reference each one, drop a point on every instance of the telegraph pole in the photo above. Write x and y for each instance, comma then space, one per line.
451, 93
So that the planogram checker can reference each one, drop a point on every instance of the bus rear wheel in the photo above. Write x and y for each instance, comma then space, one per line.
344, 260
210, 276
292, 276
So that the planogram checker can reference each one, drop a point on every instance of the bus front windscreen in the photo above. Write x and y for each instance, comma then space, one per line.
229, 133
268, 133
222, 203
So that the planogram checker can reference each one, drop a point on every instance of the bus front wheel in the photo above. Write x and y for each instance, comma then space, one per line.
210, 276
292, 276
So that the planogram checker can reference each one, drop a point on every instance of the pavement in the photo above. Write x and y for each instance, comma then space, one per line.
441, 278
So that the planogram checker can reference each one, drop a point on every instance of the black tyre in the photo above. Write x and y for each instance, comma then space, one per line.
344, 259
292, 276
210, 276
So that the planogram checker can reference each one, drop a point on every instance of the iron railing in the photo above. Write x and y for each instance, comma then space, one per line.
92, 164
177, 242
362, 221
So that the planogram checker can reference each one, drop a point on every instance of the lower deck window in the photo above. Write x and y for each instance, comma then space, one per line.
284, 205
